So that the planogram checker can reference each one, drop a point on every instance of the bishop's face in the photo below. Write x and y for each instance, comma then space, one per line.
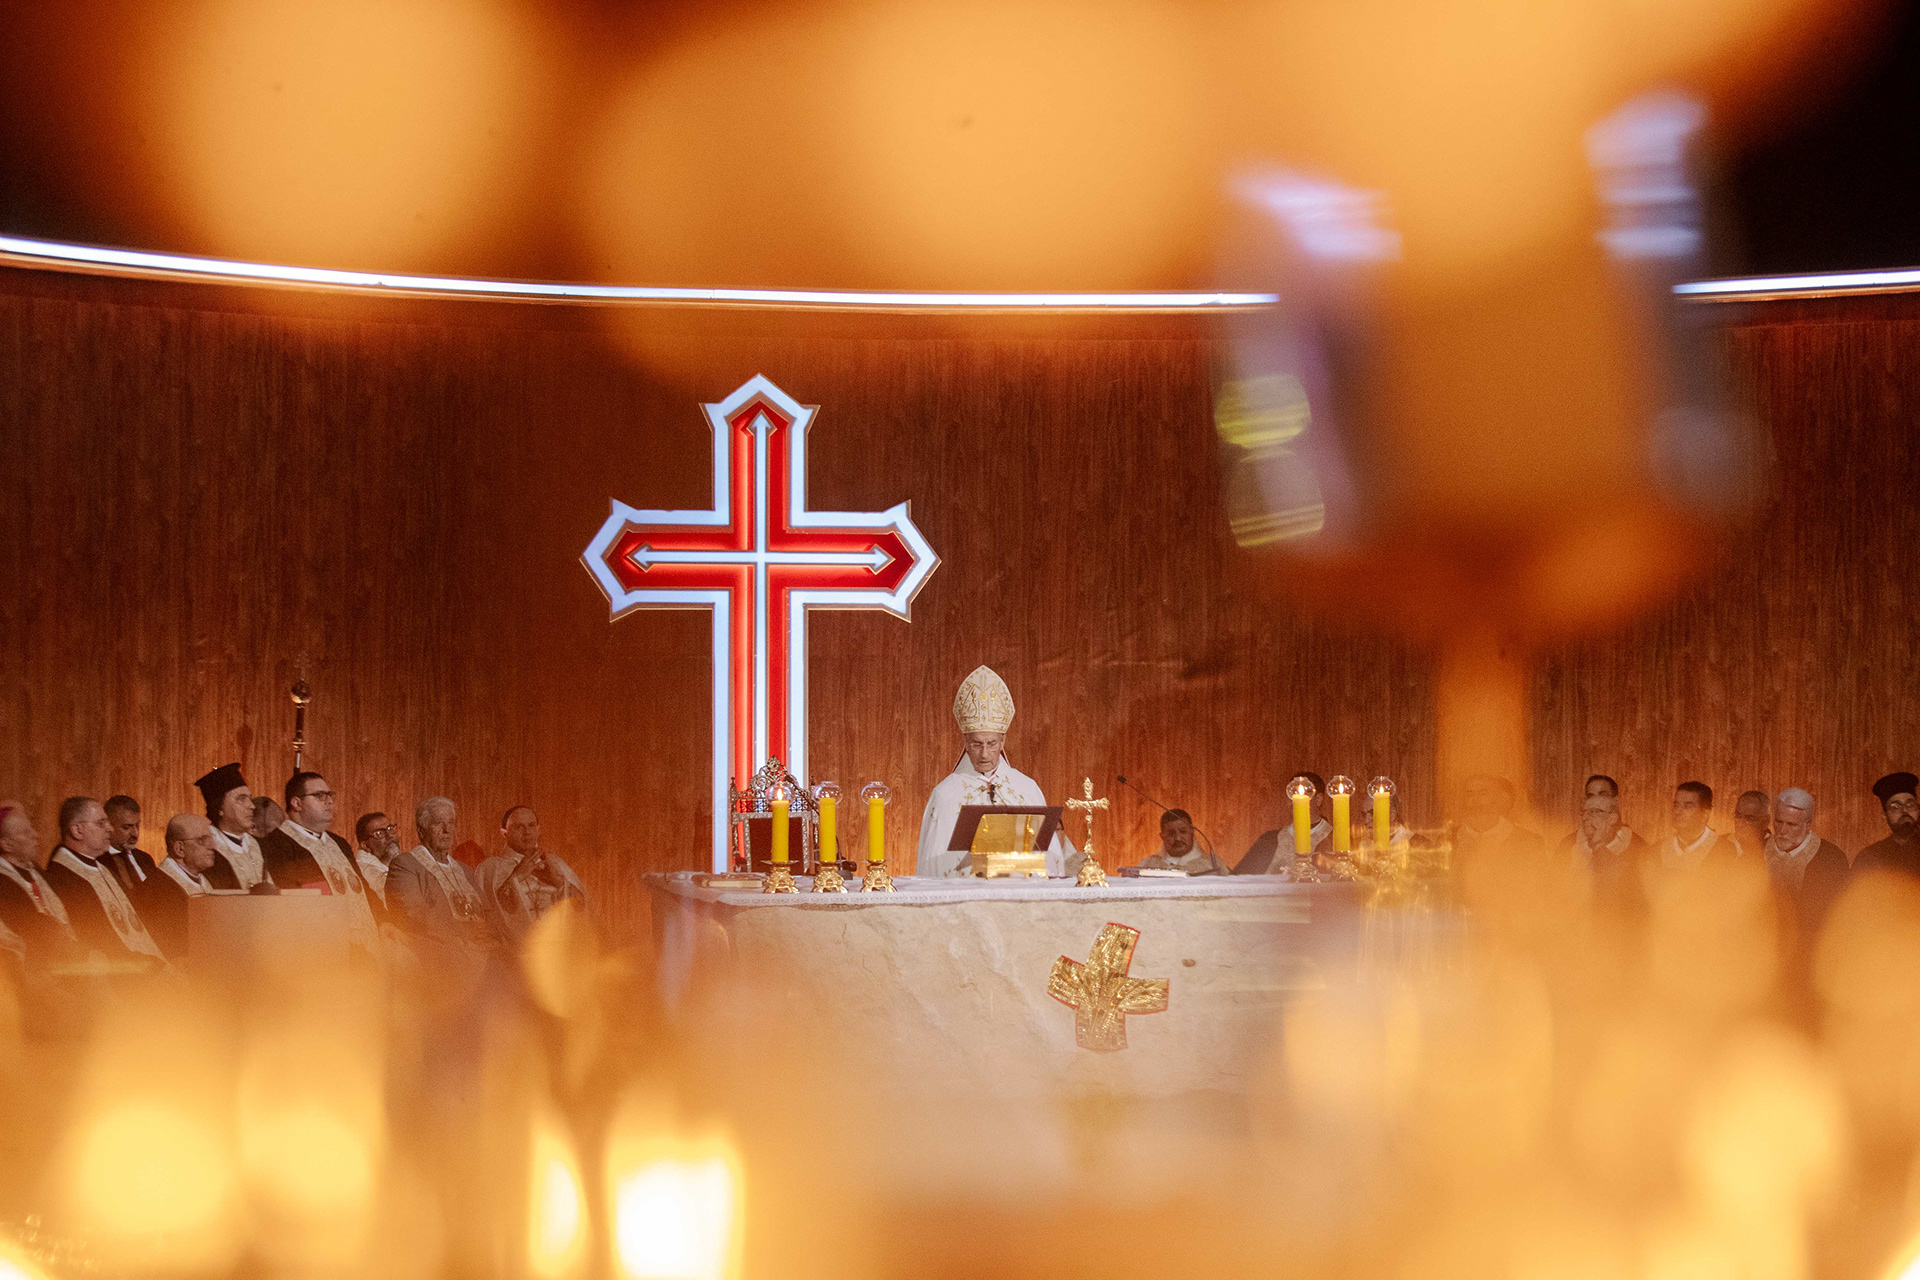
90, 833
1176, 837
983, 750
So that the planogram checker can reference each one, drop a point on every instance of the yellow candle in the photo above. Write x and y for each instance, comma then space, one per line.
876, 829
1382, 821
1342, 822
1302, 826
829, 848
780, 829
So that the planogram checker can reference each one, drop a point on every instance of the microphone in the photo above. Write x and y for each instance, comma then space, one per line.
1121, 778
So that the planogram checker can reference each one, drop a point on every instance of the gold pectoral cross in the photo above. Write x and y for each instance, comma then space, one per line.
1101, 994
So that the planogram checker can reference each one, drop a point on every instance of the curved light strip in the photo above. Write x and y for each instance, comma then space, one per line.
18, 251
1819, 285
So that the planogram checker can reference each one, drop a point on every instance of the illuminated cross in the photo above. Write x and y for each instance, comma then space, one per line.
1087, 806
759, 560
1101, 994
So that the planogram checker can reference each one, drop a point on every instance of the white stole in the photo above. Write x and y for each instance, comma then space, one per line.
125, 920
461, 895
45, 900
243, 855
192, 881
342, 879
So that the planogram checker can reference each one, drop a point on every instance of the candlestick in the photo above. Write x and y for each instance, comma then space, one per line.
779, 876
1300, 791
826, 871
1340, 790
875, 877
1381, 789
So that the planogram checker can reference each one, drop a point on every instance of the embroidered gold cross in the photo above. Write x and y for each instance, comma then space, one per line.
1101, 994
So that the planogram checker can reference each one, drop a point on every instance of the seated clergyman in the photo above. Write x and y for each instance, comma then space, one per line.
1177, 851
983, 710
432, 892
1693, 841
102, 915
229, 803
526, 882
189, 871
33, 921
378, 837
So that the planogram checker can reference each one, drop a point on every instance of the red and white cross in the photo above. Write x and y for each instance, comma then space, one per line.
760, 560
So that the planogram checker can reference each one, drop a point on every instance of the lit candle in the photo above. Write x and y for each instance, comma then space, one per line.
780, 824
875, 794
1341, 790
1382, 789
1302, 792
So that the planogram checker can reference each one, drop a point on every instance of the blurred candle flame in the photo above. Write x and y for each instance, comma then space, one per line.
557, 1221
677, 1202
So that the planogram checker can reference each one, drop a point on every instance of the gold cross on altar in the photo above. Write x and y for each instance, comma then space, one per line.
1087, 806
1101, 994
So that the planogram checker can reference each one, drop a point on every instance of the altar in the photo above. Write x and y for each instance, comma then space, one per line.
1008, 988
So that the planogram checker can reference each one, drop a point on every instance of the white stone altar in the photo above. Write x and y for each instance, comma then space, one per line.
947, 980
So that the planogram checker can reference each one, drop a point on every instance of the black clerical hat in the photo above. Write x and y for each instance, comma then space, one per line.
214, 786
1896, 784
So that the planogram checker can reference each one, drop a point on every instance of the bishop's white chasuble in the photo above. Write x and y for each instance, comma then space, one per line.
964, 786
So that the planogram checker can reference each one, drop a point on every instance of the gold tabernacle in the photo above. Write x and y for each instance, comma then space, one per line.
1003, 845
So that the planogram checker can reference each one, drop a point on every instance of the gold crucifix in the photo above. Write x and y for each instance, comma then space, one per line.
1101, 994
1091, 872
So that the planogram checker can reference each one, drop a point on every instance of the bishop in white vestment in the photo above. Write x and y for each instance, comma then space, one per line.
984, 711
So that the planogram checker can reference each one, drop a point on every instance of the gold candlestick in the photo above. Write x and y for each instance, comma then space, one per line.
873, 875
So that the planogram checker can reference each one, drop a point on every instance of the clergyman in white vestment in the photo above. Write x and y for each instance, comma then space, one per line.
984, 711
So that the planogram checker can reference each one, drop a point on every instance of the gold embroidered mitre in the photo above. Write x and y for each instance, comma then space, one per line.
984, 703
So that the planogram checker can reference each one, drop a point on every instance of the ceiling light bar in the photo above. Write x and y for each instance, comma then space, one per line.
19, 251
1820, 285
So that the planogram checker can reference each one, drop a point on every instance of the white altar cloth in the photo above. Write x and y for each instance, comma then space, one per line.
945, 981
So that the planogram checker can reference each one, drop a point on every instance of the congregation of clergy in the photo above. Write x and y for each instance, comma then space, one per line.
1778, 831
99, 894
99, 897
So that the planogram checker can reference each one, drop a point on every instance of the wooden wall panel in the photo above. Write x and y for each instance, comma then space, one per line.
205, 498
1794, 662
204, 495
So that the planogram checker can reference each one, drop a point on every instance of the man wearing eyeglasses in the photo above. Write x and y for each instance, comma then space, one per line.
379, 840
302, 853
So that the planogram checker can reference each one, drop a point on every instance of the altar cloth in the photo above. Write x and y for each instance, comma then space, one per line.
943, 983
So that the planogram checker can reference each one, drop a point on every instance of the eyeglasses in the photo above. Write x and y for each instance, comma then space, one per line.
318, 795
389, 830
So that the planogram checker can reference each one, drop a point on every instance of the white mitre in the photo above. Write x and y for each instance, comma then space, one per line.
984, 703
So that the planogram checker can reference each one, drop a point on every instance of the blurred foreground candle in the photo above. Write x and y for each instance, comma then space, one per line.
557, 1209
1301, 792
876, 795
1341, 790
779, 824
677, 1203
1381, 789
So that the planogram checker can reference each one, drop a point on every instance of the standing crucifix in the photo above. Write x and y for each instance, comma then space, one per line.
1091, 872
